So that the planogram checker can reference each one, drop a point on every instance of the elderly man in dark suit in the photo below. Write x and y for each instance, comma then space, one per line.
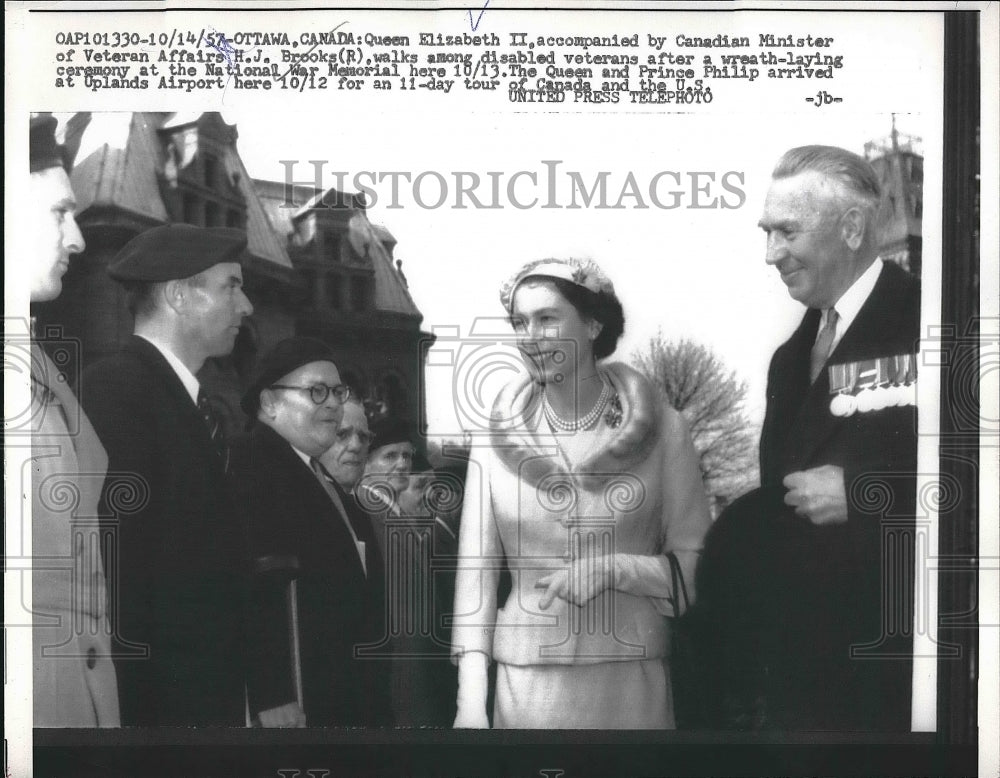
178, 559
304, 526
811, 577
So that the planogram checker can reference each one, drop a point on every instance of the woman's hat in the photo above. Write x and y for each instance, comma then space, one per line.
389, 430
582, 272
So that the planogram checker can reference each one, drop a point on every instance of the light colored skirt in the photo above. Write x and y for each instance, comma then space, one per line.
608, 695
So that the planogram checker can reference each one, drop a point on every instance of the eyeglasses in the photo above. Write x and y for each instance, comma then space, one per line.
319, 392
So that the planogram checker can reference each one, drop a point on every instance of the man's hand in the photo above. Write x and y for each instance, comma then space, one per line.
586, 578
288, 716
818, 494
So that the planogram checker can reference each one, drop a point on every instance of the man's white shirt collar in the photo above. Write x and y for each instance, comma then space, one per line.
304, 457
187, 377
850, 303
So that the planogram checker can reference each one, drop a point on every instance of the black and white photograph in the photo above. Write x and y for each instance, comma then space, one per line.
622, 376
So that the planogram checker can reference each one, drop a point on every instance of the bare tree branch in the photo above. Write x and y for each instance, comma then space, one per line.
712, 399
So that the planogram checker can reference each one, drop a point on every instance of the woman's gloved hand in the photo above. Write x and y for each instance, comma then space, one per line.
472, 690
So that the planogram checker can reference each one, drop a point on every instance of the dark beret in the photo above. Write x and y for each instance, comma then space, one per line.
280, 360
389, 430
43, 151
176, 251
420, 462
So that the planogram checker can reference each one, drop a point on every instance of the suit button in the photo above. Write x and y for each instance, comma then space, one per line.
91, 658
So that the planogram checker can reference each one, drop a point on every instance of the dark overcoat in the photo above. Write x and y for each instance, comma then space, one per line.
176, 562
818, 619
340, 608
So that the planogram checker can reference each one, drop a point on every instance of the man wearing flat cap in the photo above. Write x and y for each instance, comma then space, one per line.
304, 527
74, 682
178, 557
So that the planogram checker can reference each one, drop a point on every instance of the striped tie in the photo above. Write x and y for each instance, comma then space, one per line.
215, 429
823, 346
333, 491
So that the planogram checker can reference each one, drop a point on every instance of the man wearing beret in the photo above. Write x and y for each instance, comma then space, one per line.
419, 549
304, 527
178, 558
815, 569
74, 677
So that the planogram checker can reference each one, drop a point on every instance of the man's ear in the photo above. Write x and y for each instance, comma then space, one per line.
596, 328
852, 228
174, 295
268, 403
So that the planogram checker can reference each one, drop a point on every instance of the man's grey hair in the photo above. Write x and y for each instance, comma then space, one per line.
856, 178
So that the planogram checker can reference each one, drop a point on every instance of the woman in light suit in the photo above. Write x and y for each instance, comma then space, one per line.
74, 678
585, 485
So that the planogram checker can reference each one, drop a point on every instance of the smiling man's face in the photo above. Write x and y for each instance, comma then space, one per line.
803, 221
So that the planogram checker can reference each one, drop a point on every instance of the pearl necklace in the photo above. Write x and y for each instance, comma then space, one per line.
584, 423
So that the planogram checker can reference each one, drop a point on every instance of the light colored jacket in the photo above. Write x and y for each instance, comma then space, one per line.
74, 676
638, 493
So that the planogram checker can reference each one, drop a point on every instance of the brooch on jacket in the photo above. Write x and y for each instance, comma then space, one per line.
613, 418
873, 384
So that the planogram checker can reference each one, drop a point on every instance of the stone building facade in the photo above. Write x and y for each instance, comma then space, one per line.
900, 166
316, 265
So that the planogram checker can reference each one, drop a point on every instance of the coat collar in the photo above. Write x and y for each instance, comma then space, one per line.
168, 377
524, 447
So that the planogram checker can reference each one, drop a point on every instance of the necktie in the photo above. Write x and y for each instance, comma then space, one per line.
215, 429
330, 487
823, 346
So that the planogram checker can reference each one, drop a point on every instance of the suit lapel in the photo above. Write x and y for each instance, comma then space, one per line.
165, 374
864, 339
329, 522
170, 382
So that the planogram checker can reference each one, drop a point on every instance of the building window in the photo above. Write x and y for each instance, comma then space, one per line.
332, 241
359, 294
213, 214
192, 210
333, 291
211, 169
391, 397
234, 219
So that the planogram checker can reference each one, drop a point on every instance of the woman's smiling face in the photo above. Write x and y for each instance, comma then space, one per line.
554, 339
